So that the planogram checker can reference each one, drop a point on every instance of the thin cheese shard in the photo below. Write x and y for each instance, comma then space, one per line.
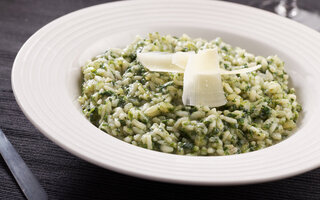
180, 59
202, 83
158, 61
240, 71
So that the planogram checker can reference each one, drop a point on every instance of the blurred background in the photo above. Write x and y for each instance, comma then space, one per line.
304, 11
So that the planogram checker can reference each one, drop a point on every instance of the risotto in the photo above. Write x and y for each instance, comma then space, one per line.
144, 108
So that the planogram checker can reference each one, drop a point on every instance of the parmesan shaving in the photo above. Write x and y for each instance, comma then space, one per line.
158, 61
202, 83
240, 71
180, 59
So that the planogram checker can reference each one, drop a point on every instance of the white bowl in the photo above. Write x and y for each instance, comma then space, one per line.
46, 81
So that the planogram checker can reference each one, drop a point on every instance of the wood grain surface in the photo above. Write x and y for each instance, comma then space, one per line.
65, 176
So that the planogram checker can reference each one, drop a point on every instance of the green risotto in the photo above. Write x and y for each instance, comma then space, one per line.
144, 108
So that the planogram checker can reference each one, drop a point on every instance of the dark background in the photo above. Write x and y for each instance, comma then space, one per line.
65, 176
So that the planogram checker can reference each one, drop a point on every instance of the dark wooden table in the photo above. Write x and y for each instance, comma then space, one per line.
65, 176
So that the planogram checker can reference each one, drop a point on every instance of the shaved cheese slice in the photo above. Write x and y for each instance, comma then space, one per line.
180, 59
205, 89
158, 61
239, 71
202, 83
